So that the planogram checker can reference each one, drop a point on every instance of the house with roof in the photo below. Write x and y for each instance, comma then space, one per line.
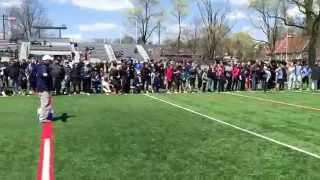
292, 48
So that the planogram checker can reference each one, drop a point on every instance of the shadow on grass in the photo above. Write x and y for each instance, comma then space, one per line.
64, 117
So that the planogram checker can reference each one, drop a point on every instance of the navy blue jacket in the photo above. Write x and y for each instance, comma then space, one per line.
44, 80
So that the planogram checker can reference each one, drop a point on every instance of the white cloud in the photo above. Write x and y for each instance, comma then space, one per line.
253, 32
174, 28
239, 2
9, 3
100, 26
74, 36
100, 5
294, 12
246, 28
236, 15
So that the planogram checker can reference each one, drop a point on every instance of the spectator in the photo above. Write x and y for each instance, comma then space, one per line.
32, 75
235, 77
291, 76
67, 78
211, 79
255, 75
106, 86
13, 76
22, 79
266, 76
280, 78
169, 77
96, 81
298, 76
86, 73
315, 76
306, 75
2, 80
204, 80
76, 78
115, 78
57, 73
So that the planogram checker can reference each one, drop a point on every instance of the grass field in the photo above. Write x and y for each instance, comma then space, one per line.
138, 137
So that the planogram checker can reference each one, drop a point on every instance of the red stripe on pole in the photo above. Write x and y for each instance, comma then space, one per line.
47, 136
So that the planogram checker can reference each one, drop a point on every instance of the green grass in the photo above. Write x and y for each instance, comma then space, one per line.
136, 137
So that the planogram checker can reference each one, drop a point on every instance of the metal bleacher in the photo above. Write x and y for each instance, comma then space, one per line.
99, 50
7, 49
127, 51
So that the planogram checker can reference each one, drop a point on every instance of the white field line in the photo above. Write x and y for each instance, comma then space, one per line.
273, 101
240, 129
45, 175
306, 92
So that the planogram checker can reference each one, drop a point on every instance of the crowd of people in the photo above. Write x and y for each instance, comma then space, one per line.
131, 76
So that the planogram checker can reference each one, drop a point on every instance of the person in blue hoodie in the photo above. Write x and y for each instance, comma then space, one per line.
44, 88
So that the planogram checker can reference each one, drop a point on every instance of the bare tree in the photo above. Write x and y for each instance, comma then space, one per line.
145, 16
215, 24
28, 14
192, 34
266, 11
309, 22
179, 12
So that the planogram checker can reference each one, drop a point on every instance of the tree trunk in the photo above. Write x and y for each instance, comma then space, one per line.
312, 52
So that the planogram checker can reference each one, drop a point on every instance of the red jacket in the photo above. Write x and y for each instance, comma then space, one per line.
169, 73
220, 72
236, 72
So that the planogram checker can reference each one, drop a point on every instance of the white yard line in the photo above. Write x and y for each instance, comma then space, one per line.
239, 128
306, 92
46, 160
273, 101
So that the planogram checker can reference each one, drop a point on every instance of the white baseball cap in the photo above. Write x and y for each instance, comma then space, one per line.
47, 58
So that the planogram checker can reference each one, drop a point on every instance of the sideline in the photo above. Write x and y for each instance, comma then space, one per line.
240, 129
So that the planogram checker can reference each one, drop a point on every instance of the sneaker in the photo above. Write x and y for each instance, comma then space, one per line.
45, 121
4, 94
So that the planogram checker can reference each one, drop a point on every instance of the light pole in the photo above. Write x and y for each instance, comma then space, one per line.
6, 18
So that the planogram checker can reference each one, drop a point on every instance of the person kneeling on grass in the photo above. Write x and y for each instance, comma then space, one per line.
44, 87
106, 86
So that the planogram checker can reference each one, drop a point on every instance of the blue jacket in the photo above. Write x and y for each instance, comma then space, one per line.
44, 80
